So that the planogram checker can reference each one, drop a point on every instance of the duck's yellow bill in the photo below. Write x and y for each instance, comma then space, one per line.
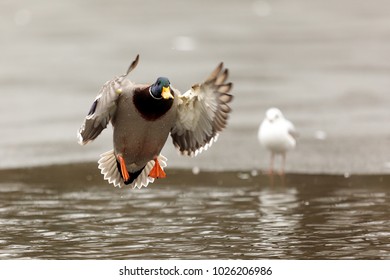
166, 93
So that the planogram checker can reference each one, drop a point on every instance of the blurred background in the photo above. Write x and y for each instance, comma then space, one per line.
325, 64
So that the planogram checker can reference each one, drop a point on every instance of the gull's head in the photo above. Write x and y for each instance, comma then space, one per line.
273, 114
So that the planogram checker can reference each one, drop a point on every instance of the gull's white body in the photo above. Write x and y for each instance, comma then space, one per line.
277, 135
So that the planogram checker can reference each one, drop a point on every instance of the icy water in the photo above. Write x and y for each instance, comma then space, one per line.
231, 215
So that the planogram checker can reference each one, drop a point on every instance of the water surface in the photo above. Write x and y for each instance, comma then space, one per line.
235, 216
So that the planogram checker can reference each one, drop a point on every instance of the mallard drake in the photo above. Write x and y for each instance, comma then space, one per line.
143, 116
278, 135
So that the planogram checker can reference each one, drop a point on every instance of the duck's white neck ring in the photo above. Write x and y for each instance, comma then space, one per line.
151, 94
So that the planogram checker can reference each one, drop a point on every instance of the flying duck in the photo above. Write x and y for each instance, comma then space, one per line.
278, 135
143, 116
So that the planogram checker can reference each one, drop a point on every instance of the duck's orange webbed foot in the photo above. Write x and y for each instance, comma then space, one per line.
157, 171
124, 172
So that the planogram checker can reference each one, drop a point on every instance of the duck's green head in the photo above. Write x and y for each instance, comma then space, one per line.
161, 89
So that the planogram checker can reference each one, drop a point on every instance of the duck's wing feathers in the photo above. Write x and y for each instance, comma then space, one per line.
202, 112
103, 108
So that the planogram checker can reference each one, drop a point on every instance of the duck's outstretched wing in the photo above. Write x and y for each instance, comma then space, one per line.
202, 112
103, 108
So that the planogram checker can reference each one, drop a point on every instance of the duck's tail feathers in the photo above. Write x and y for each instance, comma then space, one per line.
143, 179
109, 168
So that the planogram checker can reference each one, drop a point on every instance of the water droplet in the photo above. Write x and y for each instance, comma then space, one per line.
195, 170
243, 176
184, 43
320, 135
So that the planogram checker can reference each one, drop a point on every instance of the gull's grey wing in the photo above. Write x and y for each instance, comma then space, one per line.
291, 130
103, 108
202, 112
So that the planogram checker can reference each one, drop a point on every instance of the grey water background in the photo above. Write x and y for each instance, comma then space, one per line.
326, 64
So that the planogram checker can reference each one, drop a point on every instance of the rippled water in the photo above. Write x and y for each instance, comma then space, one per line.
294, 221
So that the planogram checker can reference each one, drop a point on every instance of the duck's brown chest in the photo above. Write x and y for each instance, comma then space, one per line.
141, 132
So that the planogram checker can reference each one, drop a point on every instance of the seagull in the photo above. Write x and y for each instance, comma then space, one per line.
144, 115
278, 135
